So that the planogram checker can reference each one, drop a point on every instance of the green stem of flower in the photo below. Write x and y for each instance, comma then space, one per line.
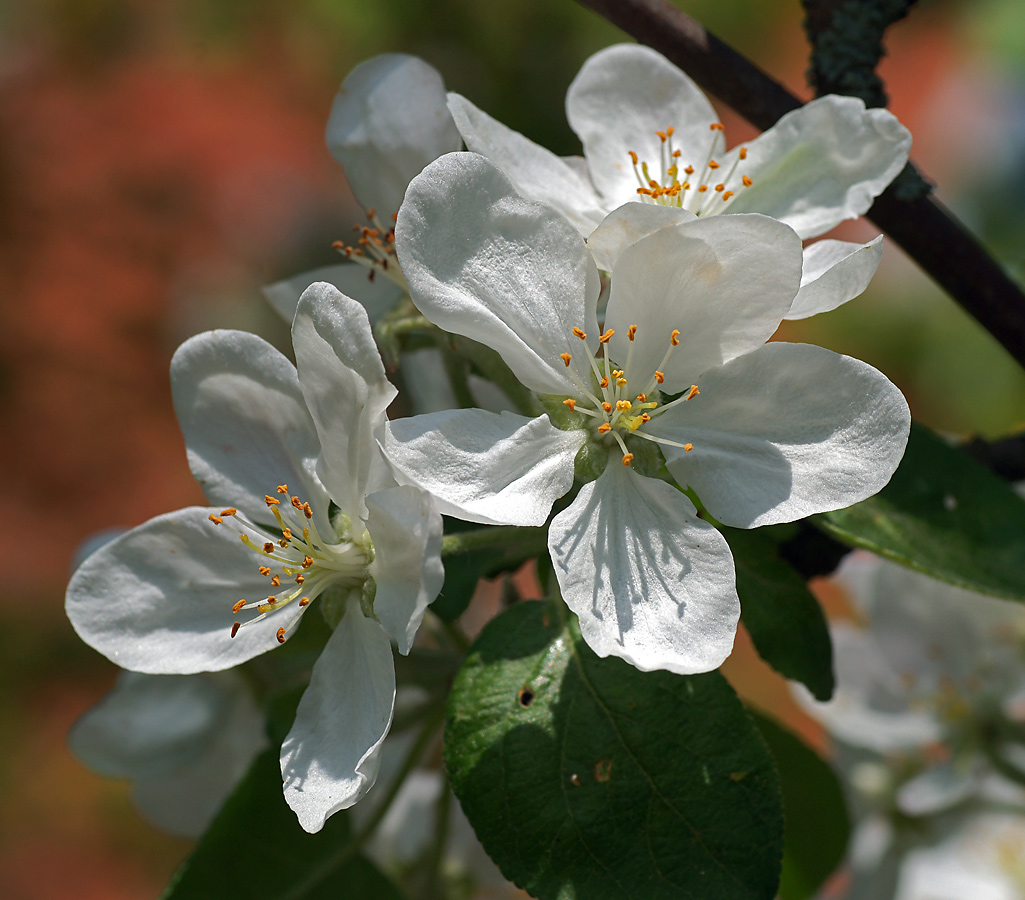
494, 369
513, 540
456, 370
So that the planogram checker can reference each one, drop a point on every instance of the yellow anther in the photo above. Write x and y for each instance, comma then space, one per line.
304, 601
617, 373
605, 338
747, 181
631, 332
645, 417
268, 547
727, 195
235, 628
307, 511
238, 606
685, 186
720, 187
230, 511
281, 635
702, 188
307, 561
687, 448
217, 520
620, 382
633, 157
287, 534
712, 164
672, 171
282, 488
654, 185
676, 154
662, 136
604, 428
276, 581
570, 404
743, 152
659, 376
623, 405
627, 458
607, 406
580, 333
670, 131
689, 170
605, 381
566, 357
300, 578
717, 126
674, 337
641, 398
264, 570
693, 392
645, 191
296, 502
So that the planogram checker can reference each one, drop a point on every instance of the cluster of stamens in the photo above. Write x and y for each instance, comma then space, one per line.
375, 249
300, 560
708, 184
617, 411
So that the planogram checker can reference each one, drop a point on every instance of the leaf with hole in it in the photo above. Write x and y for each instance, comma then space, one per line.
256, 848
782, 616
818, 826
585, 778
945, 515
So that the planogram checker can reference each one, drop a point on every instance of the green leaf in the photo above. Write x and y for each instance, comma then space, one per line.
818, 826
945, 515
782, 616
587, 779
256, 848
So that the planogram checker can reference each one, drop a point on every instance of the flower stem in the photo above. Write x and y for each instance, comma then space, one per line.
515, 541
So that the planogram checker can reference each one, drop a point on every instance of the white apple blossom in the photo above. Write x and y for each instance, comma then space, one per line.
762, 433
288, 456
185, 741
653, 141
389, 120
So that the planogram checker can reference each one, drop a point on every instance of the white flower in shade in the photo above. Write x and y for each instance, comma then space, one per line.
652, 140
933, 679
289, 457
184, 740
389, 120
763, 433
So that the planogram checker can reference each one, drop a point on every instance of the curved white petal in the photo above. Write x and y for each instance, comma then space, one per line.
346, 390
620, 97
185, 800
331, 757
627, 225
388, 121
406, 530
245, 422
725, 283
834, 272
536, 173
650, 582
511, 273
482, 467
377, 297
784, 432
159, 598
936, 789
822, 164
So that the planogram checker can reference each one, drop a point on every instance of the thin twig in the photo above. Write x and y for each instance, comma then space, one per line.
926, 231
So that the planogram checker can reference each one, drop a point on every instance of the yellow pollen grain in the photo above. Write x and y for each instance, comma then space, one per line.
607, 407
604, 428
570, 404
605, 338
727, 196
307, 561
238, 606
264, 570
235, 628
687, 448
281, 635
268, 547
566, 357
580, 333
631, 332
621, 382
276, 581
659, 376
217, 520
305, 601
674, 337
300, 578
623, 405
747, 181
282, 488
230, 511
627, 458
693, 392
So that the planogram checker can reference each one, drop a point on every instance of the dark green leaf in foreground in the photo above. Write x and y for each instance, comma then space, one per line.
587, 779
782, 616
256, 849
945, 515
818, 826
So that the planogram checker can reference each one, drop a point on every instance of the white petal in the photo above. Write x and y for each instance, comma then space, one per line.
650, 582
834, 272
388, 121
536, 173
936, 789
784, 432
331, 757
185, 800
245, 422
377, 297
346, 390
627, 225
511, 273
158, 599
482, 467
822, 164
619, 99
406, 530
725, 283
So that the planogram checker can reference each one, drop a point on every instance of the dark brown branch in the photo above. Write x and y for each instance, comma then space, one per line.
926, 231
